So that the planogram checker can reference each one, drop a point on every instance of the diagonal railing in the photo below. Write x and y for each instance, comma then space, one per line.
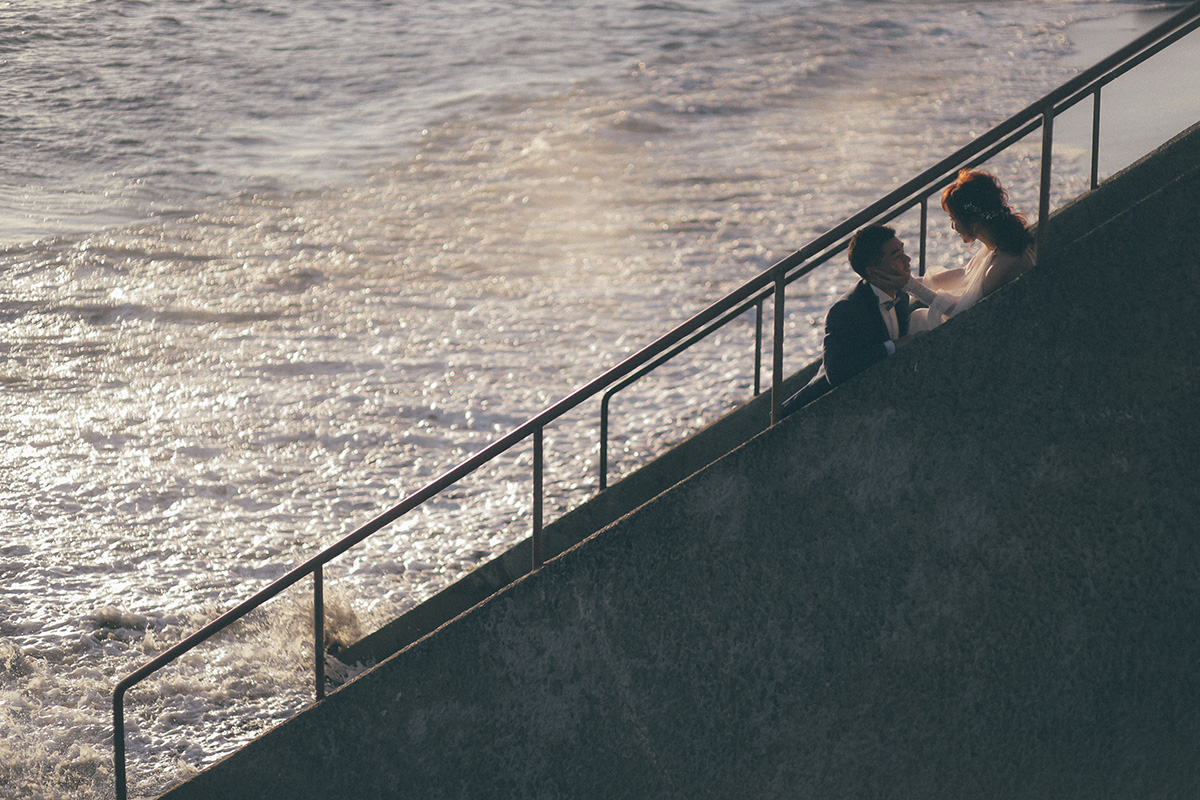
770, 285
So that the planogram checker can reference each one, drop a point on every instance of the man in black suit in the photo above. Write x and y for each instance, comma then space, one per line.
863, 327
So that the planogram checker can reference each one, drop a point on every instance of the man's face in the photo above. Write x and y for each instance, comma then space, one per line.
894, 268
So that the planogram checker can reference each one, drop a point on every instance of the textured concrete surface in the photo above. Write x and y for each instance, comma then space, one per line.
972, 571
682, 460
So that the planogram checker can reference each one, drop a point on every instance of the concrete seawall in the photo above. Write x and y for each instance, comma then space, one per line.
973, 571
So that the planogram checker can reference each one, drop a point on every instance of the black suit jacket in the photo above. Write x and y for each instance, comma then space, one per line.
854, 340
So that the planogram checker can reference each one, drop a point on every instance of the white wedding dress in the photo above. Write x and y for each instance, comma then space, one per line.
957, 292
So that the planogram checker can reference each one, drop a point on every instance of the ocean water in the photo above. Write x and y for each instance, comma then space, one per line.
267, 266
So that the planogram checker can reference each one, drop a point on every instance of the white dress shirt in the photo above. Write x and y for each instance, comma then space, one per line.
889, 318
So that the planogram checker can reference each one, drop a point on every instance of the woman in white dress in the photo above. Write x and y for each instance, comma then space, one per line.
979, 211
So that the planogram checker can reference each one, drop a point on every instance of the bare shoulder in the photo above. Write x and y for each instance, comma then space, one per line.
1005, 267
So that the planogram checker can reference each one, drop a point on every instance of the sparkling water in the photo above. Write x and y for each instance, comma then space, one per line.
269, 266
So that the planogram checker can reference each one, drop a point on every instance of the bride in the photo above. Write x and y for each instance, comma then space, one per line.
979, 211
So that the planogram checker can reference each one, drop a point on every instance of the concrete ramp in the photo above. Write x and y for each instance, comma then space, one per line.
973, 571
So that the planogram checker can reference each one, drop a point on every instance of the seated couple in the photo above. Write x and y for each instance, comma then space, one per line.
866, 325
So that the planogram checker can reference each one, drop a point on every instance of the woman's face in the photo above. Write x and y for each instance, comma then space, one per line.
962, 230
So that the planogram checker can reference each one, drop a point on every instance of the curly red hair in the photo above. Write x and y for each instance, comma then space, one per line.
977, 198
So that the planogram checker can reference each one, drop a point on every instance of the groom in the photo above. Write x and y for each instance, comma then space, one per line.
862, 328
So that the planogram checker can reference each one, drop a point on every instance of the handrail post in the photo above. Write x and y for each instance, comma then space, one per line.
319, 632
122, 789
1096, 138
604, 442
758, 325
537, 497
777, 361
1044, 187
924, 234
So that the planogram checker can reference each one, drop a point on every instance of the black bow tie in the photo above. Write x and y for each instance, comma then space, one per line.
888, 305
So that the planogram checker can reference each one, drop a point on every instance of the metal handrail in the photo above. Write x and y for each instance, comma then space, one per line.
1150, 43
770, 283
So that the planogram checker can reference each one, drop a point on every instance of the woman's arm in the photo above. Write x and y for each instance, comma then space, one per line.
939, 303
945, 279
